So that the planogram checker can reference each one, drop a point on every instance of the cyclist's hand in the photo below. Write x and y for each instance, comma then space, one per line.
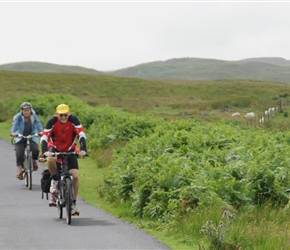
82, 153
48, 153
13, 134
42, 158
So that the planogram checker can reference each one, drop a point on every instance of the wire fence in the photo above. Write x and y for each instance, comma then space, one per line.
261, 118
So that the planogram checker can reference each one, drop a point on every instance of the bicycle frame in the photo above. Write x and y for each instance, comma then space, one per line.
27, 168
64, 197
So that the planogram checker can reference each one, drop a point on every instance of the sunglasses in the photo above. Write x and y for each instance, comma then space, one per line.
63, 115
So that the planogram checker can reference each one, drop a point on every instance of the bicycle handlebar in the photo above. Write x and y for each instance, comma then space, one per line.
63, 154
28, 136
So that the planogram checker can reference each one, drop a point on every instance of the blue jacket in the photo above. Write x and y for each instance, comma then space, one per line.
18, 125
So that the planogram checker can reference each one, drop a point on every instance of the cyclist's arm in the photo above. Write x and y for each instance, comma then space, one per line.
38, 123
79, 130
83, 144
15, 125
46, 134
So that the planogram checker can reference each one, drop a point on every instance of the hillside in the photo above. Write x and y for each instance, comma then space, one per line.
41, 67
208, 100
264, 69
270, 69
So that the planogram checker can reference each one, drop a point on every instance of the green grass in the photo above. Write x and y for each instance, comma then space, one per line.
209, 100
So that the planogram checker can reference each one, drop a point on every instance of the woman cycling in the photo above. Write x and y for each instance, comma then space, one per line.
26, 122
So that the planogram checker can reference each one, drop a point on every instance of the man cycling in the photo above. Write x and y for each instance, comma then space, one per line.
60, 133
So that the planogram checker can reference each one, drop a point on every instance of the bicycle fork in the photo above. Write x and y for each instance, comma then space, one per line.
62, 190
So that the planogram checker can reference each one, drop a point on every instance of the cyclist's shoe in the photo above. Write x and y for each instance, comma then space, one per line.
19, 176
53, 187
74, 210
52, 201
35, 166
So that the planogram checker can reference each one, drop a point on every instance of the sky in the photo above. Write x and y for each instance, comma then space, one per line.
110, 35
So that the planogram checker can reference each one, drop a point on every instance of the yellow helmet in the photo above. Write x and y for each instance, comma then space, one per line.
62, 109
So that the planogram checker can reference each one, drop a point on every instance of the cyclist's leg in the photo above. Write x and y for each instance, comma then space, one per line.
51, 164
52, 201
35, 154
34, 149
76, 184
74, 170
19, 152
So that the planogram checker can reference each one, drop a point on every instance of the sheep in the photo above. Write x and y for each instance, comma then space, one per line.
262, 120
272, 111
237, 114
250, 115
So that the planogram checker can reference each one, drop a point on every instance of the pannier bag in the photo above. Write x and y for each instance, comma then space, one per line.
45, 182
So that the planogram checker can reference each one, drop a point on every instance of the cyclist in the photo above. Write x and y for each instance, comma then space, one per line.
26, 122
52, 200
62, 130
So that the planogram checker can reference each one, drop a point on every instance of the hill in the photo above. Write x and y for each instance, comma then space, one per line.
42, 67
263, 69
270, 69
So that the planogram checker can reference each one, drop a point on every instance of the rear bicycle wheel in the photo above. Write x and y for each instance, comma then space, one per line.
68, 199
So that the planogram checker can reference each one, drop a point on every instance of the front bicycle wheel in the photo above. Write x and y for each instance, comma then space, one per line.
24, 174
29, 171
25, 170
60, 207
68, 199
60, 199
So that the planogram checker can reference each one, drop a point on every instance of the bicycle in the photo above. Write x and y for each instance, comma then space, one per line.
64, 196
27, 168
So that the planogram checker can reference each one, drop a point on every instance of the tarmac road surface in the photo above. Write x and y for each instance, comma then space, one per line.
27, 222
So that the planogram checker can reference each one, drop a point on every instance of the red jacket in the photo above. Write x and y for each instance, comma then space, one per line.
62, 136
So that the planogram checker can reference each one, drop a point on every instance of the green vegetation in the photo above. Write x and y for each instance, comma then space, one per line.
204, 183
210, 101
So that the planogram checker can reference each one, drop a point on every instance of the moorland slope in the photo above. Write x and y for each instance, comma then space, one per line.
270, 69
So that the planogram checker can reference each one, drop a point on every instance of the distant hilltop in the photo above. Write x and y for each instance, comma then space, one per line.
272, 69
42, 67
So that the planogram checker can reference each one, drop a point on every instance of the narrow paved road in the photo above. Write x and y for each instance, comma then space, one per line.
27, 222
